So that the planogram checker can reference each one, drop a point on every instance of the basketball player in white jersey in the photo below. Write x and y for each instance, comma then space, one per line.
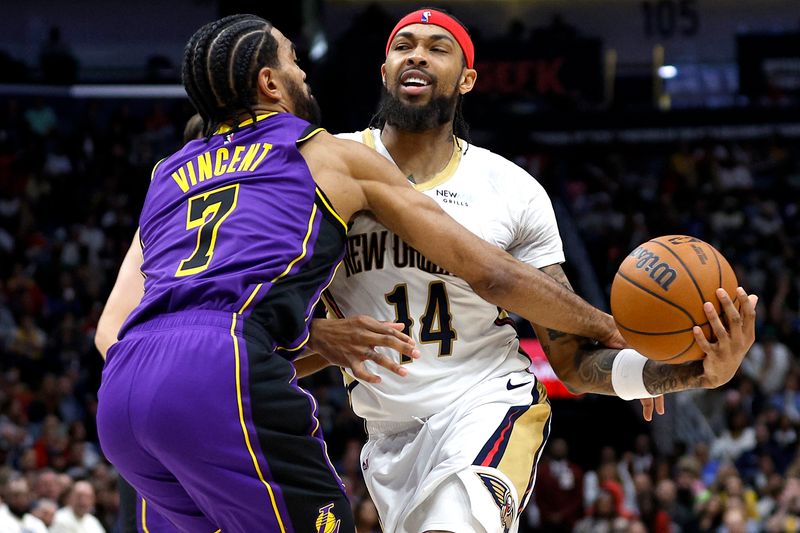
453, 446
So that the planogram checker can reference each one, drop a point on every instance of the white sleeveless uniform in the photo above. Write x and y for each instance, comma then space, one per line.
469, 422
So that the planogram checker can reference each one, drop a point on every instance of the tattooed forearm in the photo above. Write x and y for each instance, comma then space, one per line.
661, 378
579, 363
594, 372
594, 369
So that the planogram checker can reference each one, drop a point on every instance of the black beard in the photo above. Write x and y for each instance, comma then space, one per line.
19, 512
414, 118
305, 105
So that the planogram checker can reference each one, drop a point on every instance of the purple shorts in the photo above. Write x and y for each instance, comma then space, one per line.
211, 429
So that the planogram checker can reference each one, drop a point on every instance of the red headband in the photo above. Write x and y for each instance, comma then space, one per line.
443, 20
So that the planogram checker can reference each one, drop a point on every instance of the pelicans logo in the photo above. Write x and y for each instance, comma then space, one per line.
326, 520
502, 497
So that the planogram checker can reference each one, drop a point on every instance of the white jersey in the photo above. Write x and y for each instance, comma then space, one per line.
464, 340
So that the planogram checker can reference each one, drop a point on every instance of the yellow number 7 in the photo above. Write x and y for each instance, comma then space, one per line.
207, 211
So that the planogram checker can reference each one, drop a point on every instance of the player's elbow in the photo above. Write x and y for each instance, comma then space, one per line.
567, 373
491, 283
573, 383
575, 391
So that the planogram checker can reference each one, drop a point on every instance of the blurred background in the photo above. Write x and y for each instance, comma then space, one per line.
640, 117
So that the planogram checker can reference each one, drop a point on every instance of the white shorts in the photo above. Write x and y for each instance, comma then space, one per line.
469, 468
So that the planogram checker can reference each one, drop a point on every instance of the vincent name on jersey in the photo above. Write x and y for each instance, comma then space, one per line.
215, 163
368, 251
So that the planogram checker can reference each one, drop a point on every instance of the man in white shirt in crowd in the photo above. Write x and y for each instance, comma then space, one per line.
45, 510
15, 517
77, 516
768, 362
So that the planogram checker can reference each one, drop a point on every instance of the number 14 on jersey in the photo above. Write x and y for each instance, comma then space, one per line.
436, 323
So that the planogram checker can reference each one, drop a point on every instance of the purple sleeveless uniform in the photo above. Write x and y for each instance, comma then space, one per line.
199, 407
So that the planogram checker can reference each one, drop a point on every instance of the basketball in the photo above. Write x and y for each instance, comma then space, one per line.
658, 293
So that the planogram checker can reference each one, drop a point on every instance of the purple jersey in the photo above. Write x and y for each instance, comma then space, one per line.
238, 224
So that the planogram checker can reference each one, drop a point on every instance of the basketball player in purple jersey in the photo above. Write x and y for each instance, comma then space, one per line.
199, 407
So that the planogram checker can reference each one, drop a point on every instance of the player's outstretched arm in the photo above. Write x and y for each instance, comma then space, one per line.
585, 367
491, 272
125, 296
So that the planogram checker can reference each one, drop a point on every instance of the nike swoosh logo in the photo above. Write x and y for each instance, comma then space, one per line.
511, 386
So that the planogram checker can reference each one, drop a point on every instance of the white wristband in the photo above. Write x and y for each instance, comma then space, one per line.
627, 375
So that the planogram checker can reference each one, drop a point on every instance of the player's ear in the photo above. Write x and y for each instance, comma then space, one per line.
383, 74
268, 84
468, 78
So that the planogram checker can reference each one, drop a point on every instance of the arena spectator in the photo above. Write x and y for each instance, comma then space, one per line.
611, 477
45, 510
655, 519
366, 517
768, 362
603, 516
19, 505
559, 489
76, 516
739, 438
47, 486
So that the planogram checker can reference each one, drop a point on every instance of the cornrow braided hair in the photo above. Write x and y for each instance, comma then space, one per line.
221, 62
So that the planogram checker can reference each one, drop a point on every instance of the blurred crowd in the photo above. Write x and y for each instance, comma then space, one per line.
72, 178
742, 474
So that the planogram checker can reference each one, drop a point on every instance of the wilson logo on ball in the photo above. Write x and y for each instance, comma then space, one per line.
659, 270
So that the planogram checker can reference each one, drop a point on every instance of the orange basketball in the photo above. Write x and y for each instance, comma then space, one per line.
658, 295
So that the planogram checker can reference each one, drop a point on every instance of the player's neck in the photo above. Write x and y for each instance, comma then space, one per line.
421, 155
258, 110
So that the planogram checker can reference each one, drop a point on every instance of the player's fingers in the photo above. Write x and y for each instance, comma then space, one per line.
390, 364
394, 343
701, 340
748, 309
647, 408
751, 319
396, 329
660, 404
385, 361
716, 324
731, 313
748, 304
617, 341
362, 374
366, 325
